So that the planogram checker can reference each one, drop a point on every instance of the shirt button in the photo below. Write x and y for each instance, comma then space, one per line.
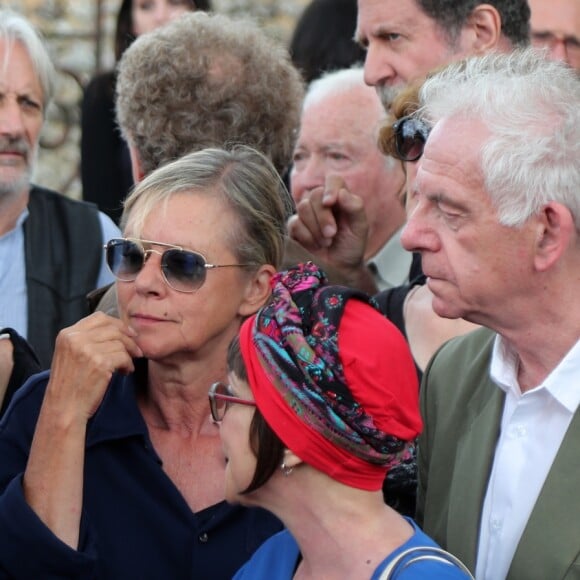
496, 525
203, 538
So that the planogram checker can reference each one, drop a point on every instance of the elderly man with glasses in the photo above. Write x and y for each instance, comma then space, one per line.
556, 27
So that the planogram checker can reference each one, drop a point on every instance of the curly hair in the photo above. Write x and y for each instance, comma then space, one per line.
452, 15
207, 80
124, 35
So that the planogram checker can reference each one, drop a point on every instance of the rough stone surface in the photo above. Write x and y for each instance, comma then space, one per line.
81, 43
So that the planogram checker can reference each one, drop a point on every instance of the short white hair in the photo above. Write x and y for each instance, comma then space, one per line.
531, 106
333, 83
15, 28
341, 81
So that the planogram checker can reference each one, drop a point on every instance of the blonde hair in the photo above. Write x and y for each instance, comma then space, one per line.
243, 178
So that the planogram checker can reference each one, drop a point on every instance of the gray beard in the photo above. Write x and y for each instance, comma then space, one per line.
388, 93
16, 185
11, 187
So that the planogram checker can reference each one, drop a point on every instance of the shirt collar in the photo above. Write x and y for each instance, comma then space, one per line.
21, 219
392, 262
118, 416
562, 383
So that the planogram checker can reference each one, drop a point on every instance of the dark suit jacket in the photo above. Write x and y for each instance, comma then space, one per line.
462, 410
63, 254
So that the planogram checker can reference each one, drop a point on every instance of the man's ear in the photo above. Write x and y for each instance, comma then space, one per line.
482, 32
136, 166
258, 290
555, 229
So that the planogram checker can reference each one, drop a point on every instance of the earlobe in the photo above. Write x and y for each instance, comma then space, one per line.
291, 460
555, 230
258, 290
485, 26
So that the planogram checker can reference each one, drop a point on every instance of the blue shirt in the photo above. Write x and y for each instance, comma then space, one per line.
13, 291
135, 522
278, 557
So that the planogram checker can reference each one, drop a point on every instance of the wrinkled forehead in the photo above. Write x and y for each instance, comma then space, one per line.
459, 135
454, 149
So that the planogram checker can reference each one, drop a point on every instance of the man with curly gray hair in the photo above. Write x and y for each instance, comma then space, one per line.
206, 80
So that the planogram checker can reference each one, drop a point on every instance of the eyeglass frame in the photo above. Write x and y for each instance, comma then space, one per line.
548, 40
421, 128
232, 399
139, 242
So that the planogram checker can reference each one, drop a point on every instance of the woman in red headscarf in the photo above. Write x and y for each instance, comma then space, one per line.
322, 402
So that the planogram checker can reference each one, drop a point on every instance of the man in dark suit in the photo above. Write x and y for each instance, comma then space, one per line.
497, 222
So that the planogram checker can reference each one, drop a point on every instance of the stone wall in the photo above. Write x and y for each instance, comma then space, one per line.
79, 34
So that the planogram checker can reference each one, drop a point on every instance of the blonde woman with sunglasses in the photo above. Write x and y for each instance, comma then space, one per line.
110, 465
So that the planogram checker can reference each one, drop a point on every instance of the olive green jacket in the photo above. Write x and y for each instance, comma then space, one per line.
462, 410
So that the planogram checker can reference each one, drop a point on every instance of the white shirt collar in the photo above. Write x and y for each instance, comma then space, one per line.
21, 219
391, 263
562, 383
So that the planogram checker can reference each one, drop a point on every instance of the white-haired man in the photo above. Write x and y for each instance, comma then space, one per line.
340, 119
50, 246
497, 222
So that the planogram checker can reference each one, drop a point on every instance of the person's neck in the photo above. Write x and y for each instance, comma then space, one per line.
539, 357
544, 337
11, 206
176, 398
342, 533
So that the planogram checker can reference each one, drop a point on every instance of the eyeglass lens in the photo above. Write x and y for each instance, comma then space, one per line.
220, 397
183, 270
218, 405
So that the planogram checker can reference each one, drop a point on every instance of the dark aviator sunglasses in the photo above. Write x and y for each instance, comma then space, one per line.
410, 134
183, 270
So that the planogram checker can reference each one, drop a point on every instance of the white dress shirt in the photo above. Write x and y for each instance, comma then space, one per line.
533, 426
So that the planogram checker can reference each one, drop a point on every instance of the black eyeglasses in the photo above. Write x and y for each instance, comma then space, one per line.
551, 40
220, 398
410, 134
183, 270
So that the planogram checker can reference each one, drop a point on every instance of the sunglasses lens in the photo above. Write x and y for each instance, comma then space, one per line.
184, 271
411, 135
125, 259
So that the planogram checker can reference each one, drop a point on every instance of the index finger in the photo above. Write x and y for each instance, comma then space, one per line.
332, 185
